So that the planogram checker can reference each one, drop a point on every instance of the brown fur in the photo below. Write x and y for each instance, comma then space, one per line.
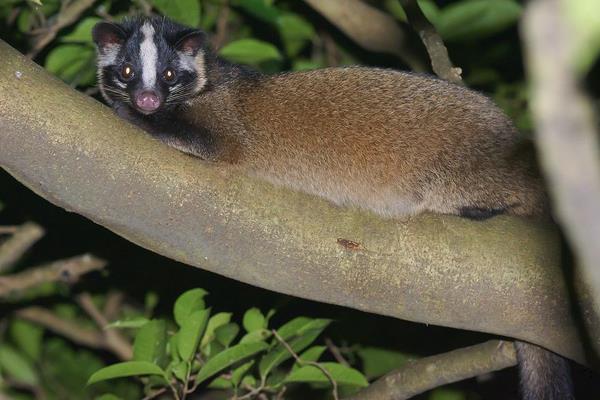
417, 143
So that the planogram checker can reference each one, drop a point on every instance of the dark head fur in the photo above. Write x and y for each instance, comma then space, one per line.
150, 64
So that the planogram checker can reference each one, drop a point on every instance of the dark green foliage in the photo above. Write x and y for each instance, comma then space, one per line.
197, 355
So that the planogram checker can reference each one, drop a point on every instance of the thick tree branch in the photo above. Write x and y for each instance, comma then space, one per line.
566, 132
372, 29
427, 373
494, 276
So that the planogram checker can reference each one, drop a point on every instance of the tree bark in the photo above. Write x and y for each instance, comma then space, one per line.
500, 276
418, 376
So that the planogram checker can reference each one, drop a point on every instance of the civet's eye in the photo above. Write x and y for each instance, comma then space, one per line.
127, 72
169, 75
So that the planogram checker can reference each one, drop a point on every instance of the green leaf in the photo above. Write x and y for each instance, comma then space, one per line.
226, 333
173, 346
377, 362
108, 396
25, 21
124, 369
186, 12
212, 349
220, 383
214, 322
191, 332
256, 336
344, 376
135, 322
295, 33
17, 366
28, 337
250, 51
73, 63
82, 32
190, 301
258, 9
471, 19
446, 394
150, 302
228, 357
72, 366
311, 355
303, 64
279, 353
429, 8
180, 370
150, 343
238, 374
300, 325
292, 327
254, 320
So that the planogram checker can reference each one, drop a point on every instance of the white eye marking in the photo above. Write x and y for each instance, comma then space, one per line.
149, 56
186, 62
177, 86
200, 71
119, 83
108, 55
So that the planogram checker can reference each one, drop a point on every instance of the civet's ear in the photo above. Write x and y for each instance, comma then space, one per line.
108, 34
191, 42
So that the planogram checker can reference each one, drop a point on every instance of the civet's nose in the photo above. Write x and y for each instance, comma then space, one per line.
147, 101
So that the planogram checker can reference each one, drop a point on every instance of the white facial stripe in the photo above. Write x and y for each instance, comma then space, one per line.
149, 56
108, 55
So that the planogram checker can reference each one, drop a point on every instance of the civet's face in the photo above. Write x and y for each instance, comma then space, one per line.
149, 63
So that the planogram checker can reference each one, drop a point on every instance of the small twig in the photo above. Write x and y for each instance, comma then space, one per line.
156, 393
15, 247
114, 340
281, 393
185, 390
311, 363
112, 307
222, 29
37, 391
335, 352
252, 391
145, 7
332, 54
68, 329
440, 60
8, 229
66, 16
103, 13
68, 270
427, 373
